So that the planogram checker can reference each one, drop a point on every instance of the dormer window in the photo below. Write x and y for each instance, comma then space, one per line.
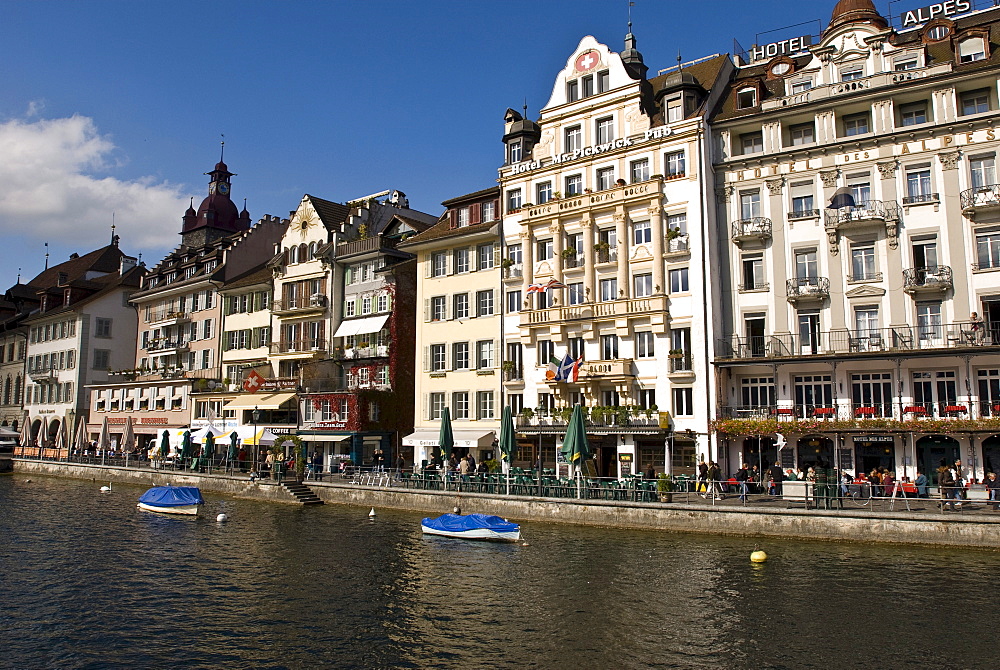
746, 98
675, 108
904, 64
937, 32
190, 271
852, 73
211, 265
515, 150
588, 85
170, 277
801, 86
971, 50
572, 91
463, 216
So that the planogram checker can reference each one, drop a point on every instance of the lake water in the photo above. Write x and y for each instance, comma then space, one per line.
89, 581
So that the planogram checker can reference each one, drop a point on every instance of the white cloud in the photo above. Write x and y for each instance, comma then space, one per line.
53, 190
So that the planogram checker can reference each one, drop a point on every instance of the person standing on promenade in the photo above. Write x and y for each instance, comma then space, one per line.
650, 473
714, 485
702, 477
946, 484
777, 476
472, 462
742, 475
993, 487
921, 483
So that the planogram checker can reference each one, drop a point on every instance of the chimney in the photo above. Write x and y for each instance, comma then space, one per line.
127, 263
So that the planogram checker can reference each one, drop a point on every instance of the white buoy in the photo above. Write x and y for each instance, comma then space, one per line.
371, 515
222, 518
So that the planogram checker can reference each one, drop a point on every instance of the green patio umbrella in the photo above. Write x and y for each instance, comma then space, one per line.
445, 439
208, 449
507, 442
185, 446
234, 447
575, 446
164, 444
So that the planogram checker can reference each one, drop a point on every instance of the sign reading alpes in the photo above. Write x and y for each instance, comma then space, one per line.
915, 17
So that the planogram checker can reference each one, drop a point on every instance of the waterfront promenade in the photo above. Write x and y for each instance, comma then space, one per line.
913, 521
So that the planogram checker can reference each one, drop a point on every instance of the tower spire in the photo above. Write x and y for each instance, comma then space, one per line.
46, 255
112, 227
222, 152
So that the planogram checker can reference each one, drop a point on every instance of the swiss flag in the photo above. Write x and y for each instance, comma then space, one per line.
252, 382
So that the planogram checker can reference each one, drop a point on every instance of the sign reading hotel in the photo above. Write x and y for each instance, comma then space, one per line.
915, 17
593, 150
782, 48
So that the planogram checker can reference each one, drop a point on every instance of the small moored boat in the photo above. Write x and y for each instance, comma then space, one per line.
472, 527
172, 499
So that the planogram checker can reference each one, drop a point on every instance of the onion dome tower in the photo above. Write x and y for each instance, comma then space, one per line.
217, 216
856, 11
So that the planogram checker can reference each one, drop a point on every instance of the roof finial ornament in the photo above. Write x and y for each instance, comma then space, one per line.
679, 66
525, 108
46, 255
222, 153
19, 275
630, 6
112, 227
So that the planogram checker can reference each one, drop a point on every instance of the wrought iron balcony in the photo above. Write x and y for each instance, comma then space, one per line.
515, 271
803, 214
864, 277
931, 279
865, 213
921, 198
898, 340
803, 289
980, 200
311, 345
756, 229
298, 305
679, 244
753, 287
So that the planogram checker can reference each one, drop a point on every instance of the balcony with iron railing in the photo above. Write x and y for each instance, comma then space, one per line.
980, 200
872, 212
679, 244
921, 198
572, 261
512, 373
756, 229
311, 346
927, 280
805, 289
899, 409
608, 255
753, 286
359, 352
861, 277
898, 340
366, 245
803, 214
299, 305
165, 317
515, 271
42, 374
595, 310
166, 345
682, 362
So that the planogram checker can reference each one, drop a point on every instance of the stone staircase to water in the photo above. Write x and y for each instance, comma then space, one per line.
303, 494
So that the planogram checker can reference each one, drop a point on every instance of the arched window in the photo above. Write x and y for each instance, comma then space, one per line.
17, 390
293, 255
303, 253
7, 390
312, 251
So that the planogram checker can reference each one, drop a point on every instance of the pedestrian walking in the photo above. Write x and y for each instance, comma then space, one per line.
742, 475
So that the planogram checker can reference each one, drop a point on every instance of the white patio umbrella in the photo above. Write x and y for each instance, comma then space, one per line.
60, 440
128, 439
43, 435
104, 440
25, 432
81, 436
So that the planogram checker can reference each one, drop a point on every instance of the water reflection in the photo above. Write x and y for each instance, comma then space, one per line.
89, 581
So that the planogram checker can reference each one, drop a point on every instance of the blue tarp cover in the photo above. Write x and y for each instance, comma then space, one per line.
456, 523
172, 496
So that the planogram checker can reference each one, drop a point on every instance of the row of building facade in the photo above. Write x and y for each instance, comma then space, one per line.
790, 259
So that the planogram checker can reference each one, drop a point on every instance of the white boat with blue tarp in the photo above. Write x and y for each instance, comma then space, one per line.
472, 527
172, 500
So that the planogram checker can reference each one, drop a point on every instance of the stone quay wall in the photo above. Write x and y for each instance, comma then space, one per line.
846, 525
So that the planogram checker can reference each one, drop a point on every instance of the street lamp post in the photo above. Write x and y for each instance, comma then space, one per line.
255, 415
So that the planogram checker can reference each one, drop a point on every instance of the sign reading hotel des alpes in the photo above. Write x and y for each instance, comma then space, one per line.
915, 17
781, 48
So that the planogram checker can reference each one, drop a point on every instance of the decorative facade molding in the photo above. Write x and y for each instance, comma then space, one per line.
775, 185
949, 160
887, 169
829, 177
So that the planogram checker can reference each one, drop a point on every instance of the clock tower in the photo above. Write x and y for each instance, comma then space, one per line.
217, 216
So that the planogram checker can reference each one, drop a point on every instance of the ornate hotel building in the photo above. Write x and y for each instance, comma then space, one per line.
605, 195
859, 225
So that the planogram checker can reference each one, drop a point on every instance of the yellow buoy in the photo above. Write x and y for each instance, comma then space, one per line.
758, 557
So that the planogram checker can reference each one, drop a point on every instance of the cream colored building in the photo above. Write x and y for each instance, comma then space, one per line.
604, 195
458, 334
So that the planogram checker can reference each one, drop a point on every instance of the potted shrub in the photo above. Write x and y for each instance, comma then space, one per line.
598, 413
564, 413
665, 488
506, 263
673, 233
676, 353
622, 414
526, 414
556, 195
651, 411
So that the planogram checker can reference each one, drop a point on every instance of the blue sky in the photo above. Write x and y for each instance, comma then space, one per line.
119, 106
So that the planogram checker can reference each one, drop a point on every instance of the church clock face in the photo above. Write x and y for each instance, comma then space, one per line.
223, 188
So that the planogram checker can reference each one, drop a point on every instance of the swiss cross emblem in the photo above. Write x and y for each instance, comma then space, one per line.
252, 382
586, 61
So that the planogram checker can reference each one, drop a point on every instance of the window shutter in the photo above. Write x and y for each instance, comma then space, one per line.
496, 255
427, 406
427, 361
496, 352
429, 266
475, 214
427, 309
452, 219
